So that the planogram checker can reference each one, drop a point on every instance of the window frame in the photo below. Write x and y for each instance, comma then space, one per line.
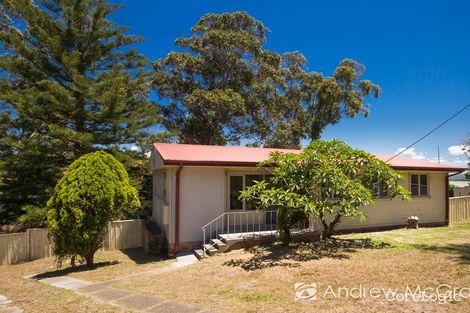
419, 185
378, 192
244, 185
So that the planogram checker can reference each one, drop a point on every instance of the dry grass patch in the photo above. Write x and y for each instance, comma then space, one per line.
33, 296
261, 279
110, 265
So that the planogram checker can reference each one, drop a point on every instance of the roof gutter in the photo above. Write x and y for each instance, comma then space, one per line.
254, 164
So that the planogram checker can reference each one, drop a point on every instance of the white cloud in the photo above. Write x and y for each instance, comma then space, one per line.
411, 152
461, 161
457, 150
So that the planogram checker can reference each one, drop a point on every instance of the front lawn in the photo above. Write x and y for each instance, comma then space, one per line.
33, 296
109, 265
261, 279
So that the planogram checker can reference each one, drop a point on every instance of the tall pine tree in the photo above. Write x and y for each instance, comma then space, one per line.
71, 83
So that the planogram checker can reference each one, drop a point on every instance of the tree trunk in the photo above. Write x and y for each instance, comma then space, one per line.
89, 259
286, 236
328, 228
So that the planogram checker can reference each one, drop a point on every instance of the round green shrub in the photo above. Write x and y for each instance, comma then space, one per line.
94, 190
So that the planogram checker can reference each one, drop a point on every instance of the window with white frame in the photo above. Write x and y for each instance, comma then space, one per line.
236, 184
419, 185
381, 191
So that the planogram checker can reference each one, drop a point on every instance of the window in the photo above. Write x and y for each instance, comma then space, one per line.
419, 185
250, 181
236, 184
381, 191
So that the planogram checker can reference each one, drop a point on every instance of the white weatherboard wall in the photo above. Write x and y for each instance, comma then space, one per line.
386, 212
201, 199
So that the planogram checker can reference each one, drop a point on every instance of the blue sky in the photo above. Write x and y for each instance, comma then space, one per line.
417, 51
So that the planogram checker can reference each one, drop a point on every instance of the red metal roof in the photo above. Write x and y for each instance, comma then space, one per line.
174, 154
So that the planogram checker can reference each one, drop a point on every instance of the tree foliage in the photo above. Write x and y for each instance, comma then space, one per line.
224, 86
71, 83
33, 216
328, 180
301, 103
94, 190
208, 84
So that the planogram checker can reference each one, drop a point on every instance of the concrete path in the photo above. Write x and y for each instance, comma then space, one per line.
104, 292
5, 306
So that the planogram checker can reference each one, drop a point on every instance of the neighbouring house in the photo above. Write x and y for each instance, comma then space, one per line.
460, 188
196, 188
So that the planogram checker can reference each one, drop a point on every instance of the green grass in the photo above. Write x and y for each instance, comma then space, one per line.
415, 238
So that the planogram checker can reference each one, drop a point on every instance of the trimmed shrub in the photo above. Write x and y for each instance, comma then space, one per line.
94, 190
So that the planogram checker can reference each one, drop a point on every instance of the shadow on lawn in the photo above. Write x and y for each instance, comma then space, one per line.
460, 252
276, 255
140, 257
74, 269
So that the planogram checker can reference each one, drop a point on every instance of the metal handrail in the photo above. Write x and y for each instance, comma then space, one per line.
238, 215
221, 215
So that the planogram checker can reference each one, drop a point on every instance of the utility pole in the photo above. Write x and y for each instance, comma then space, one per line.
438, 156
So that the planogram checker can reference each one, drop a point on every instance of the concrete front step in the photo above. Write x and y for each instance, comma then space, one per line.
219, 244
210, 249
200, 254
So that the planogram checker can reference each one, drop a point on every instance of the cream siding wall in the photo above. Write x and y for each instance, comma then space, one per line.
202, 199
204, 195
386, 212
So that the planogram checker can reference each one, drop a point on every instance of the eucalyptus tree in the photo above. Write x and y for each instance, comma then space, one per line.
222, 86
207, 86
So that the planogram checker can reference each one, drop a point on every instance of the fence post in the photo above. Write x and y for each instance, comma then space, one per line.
28, 244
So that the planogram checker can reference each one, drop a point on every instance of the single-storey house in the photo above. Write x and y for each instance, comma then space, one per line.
196, 188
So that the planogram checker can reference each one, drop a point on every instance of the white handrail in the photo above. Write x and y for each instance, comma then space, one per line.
205, 226
225, 223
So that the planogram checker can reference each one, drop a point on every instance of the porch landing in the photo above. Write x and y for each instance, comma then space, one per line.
233, 241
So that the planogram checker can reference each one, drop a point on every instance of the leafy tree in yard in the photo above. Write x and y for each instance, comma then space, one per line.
94, 190
70, 84
223, 86
328, 180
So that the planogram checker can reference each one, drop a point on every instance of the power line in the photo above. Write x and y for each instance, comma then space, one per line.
430, 132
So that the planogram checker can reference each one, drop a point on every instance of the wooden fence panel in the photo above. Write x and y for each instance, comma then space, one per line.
461, 191
39, 245
34, 244
125, 234
13, 248
459, 210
